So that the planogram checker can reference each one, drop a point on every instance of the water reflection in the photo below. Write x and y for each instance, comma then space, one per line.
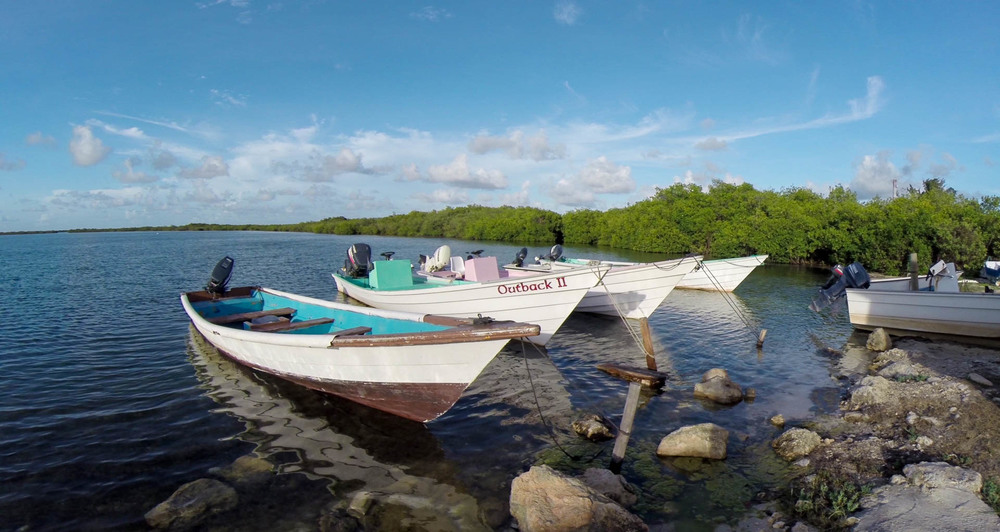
350, 447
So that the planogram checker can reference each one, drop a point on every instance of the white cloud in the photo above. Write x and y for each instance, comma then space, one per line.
430, 14
444, 196
517, 146
87, 150
10, 166
567, 12
874, 176
711, 144
211, 166
37, 138
602, 176
458, 174
129, 175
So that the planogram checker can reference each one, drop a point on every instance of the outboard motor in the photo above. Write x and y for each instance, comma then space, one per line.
852, 276
220, 276
438, 261
474, 254
359, 260
554, 254
519, 258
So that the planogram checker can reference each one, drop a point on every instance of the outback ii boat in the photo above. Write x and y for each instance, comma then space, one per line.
412, 365
630, 289
545, 299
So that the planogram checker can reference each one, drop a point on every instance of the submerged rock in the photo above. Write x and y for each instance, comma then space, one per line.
191, 504
613, 486
716, 386
594, 428
543, 499
706, 440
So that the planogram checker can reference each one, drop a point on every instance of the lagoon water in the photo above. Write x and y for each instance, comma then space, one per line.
111, 401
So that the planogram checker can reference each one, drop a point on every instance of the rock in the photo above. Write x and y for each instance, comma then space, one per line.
706, 440
750, 394
360, 504
879, 340
716, 386
594, 428
778, 420
545, 500
871, 391
980, 380
246, 471
795, 443
934, 493
191, 504
613, 486
903, 368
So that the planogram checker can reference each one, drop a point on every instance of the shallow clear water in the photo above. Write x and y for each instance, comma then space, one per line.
111, 401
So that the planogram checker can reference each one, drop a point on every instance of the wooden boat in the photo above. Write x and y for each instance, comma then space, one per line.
721, 274
412, 365
545, 299
630, 289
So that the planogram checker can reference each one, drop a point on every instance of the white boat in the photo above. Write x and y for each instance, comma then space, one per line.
721, 274
952, 313
630, 289
936, 307
545, 299
412, 365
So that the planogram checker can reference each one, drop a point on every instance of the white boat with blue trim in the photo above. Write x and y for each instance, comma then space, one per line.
414, 365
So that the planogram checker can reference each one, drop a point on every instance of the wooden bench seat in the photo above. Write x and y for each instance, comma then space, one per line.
288, 325
353, 331
247, 316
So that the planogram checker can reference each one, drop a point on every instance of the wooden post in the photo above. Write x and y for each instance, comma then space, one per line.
913, 272
625, 429
760, 339
647, 343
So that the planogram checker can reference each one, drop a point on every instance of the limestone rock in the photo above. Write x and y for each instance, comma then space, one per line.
706, 440
191, 504
594, 428
879, 340
980, 380
935, 493
778, 420
795, 443
545, 500
716, 386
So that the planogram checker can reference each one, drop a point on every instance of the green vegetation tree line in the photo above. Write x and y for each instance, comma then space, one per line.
793, 226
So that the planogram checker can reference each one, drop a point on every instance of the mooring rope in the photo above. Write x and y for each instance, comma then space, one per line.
717, 284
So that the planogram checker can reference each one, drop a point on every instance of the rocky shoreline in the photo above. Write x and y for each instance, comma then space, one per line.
913, 446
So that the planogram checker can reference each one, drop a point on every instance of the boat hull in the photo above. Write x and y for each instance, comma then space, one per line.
635, 291
949, 313
417, 376
721, 274
545, 299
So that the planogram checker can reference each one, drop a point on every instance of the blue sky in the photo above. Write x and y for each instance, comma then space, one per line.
132, 113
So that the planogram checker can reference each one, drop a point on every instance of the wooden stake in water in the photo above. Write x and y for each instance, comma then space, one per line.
647, 344
625, 430
760, 339
913, 272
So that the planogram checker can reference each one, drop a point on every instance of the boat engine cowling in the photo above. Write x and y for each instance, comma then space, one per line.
359, 260
519, 258
853, 275
554, 254
221, 274
438, 261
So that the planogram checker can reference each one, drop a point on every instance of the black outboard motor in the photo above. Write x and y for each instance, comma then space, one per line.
359, 260
474, 254
519, 258
220, 276
852, 276
554, 254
